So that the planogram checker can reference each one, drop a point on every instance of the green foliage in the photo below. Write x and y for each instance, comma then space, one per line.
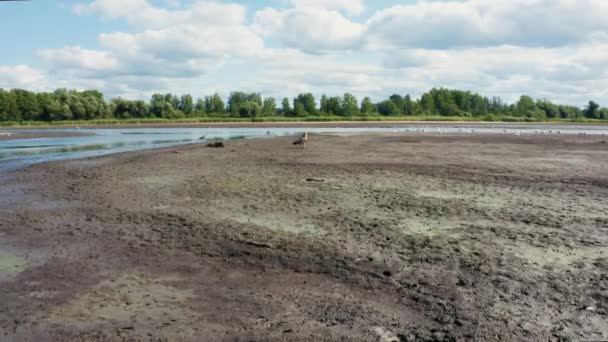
186, 105
350, 105
286, 107
399, 101
388, 107
307, 101
269, 108
551, 111
592, 110
367, 106
333, 106
62, 105
409, 105
569, 112
299, 110
239, 99
526, 107
199, 107
217, 105
250, 109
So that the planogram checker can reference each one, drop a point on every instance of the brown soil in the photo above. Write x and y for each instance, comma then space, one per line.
37, 135
353, 238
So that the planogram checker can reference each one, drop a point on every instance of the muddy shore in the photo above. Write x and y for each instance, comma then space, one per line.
38, 135
353, 238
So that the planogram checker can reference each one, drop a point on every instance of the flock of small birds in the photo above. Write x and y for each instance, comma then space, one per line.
473, 131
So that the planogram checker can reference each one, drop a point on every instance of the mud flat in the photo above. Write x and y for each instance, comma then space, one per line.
39, 135
355, 238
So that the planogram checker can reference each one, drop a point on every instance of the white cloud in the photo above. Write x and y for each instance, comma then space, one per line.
348, 6
182, 42
21, 76
142, 14
556, 49
311, 30
446, 24
78, 58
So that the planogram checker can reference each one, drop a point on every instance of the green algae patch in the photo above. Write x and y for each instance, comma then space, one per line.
11, 264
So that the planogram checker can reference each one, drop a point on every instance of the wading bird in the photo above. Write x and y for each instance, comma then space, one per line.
302, 140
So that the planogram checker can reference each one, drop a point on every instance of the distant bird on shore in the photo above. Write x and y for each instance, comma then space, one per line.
302, 140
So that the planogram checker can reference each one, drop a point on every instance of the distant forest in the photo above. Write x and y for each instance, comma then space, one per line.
18, 105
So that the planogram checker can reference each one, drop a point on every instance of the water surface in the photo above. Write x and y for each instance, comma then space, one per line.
21, 152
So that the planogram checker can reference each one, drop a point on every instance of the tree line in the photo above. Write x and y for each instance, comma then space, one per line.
62, 104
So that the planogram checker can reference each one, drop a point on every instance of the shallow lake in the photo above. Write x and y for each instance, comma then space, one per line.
21, 152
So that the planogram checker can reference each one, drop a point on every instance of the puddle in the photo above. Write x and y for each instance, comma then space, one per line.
11, 265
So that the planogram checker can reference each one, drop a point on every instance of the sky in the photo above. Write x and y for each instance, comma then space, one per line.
549, 49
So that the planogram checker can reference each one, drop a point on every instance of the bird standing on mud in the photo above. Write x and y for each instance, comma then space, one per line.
302, 140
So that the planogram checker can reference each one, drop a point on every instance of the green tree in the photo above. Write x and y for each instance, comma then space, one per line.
387, 108
427, 104
604, 113
350, 105
299, 110
334, 105
269, 107
27, 105
308, 102
173, 100
285, 107
157, 105
399, 102
551, 110
478, 105
409, 105
235, 100
324, 102
217, 104
569, 112
200, 108
250, 109
121, 109
8, 106
592, 110
527, 107
367, 106
186, 104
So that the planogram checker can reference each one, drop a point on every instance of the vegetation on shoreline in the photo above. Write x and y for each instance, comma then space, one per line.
20, 107
282, 119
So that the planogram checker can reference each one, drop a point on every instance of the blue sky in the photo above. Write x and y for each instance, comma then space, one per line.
552, 49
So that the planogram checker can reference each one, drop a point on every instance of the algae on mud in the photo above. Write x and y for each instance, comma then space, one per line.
10, 264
